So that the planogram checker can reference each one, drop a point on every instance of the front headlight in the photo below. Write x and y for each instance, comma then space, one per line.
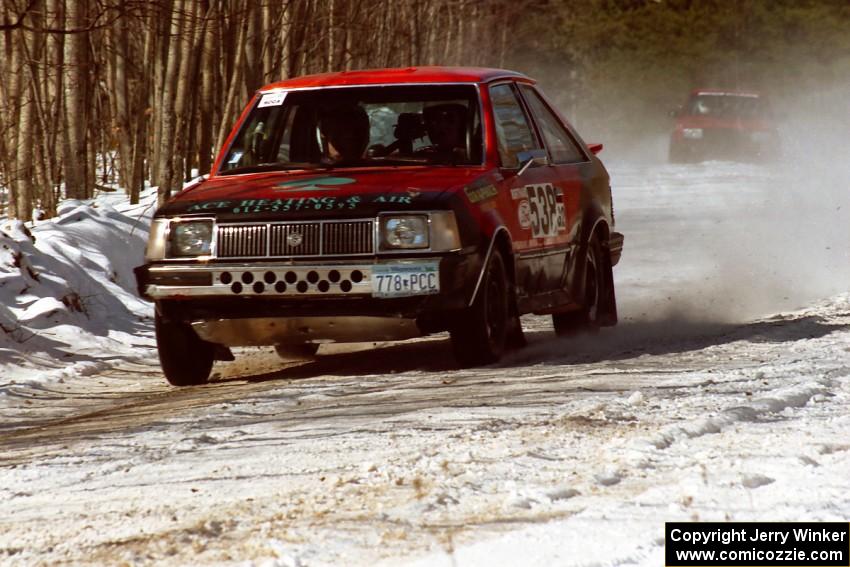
692, 133
404, 231
436, 231
191, 238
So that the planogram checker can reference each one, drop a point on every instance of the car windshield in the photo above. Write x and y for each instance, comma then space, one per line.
727, 105
357, 127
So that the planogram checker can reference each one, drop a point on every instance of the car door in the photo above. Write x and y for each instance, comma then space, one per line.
570, 164
537, 225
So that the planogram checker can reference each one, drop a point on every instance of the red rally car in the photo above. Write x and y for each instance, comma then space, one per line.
383, 205
724, 124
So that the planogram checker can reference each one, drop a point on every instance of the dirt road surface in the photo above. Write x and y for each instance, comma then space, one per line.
701, 404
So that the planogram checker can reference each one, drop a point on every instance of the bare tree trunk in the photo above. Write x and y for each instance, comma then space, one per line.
447, 43
285, 31
5, 99
161, 19
430, 25
348, 33
118, 35
269, 42
55, 58
22, 186
459, 39
209, 80
253, 47
503, 42
76, 83
329, 60
13, 69
142, 95
235, 82
183, 104
37, 84
168, 107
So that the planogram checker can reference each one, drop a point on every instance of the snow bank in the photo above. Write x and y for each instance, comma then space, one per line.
67, 290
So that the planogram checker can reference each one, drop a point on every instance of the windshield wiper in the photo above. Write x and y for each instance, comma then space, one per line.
278, 166
403, 160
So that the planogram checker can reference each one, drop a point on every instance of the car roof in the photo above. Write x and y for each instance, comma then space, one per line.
729, 92
407, 75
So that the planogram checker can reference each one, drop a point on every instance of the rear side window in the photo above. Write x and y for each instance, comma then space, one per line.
562, 147
512, 129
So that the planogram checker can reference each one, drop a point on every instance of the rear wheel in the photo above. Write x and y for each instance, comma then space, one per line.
480, 336
186, 360
587, 318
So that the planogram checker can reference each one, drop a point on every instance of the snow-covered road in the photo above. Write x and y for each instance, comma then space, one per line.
723, 394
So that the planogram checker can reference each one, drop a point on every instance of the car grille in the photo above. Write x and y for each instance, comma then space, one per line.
281, 240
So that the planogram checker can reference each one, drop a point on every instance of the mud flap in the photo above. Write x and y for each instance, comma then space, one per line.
608, 318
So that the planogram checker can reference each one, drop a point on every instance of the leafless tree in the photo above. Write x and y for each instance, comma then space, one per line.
97, 92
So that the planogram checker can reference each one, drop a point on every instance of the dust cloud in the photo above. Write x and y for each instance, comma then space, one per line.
787, 243
726, 242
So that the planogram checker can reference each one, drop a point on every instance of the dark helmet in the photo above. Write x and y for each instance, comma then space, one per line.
446, 123
346, 127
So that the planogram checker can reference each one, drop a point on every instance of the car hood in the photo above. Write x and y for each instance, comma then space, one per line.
340, 193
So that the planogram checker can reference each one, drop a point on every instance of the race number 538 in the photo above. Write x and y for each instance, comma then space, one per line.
547, 210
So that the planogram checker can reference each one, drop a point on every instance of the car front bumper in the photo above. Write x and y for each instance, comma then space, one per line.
239, 304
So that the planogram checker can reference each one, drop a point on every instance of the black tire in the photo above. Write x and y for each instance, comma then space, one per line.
297, 352
587, 318
480, 335
516, 337
186, 360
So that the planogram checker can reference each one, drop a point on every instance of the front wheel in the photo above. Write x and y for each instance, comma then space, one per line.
481, 334
186, 360
587, 318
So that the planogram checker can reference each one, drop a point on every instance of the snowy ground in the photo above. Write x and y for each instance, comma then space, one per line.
723, 394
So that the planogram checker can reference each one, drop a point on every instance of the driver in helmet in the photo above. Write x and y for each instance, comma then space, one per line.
446, 128
345, 131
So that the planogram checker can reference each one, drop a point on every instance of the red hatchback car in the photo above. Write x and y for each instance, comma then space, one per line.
724, 124
383, 205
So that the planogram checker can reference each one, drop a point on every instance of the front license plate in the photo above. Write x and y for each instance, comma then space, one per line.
401, 280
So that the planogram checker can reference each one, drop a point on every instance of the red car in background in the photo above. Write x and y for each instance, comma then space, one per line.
724, 124
382, 205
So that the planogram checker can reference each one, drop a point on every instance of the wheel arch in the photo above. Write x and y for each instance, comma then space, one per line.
595, 224
501, 241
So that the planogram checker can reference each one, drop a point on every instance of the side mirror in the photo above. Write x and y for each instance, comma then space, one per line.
595, 148
531, 157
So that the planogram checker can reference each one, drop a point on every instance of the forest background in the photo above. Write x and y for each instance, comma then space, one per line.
97, 92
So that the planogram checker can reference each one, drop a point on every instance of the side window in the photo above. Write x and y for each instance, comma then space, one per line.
512, 129
561, 145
